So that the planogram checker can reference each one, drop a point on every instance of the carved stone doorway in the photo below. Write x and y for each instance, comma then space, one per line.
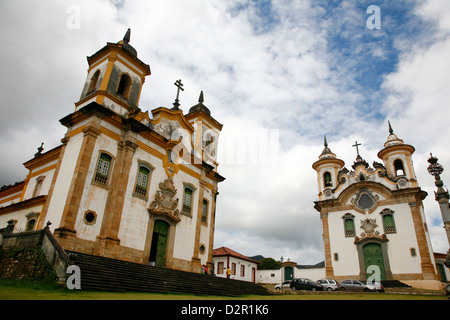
373, 256
159, 243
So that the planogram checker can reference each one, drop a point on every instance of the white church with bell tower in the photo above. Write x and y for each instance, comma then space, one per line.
373, 217
125, 184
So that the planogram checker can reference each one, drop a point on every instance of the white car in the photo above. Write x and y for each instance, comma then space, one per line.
328, 284
286, 285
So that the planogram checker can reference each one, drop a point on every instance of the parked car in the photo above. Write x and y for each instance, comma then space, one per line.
355, 285
328, 284
283, 286
377, 286
305, 284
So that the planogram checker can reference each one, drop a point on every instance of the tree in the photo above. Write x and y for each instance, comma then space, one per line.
269, 263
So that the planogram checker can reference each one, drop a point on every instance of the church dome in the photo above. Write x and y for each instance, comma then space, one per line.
326, 153
392, 139
200, 107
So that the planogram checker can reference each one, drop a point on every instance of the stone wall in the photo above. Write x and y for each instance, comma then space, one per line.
34, 255
25, 263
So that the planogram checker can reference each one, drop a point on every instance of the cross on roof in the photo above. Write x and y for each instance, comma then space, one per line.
179, 85
357, 145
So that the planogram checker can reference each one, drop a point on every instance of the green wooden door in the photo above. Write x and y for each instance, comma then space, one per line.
441, 270
373, 255
159, 242
288, 273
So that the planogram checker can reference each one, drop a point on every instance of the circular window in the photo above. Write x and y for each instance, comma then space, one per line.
90, 217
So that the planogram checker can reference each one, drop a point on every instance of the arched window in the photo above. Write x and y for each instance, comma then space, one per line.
38, 186
349, 225
187, 200
103, 166
124, 86
204, 210
142, 181
93, 82
398, 167
30, 225
32, 218
327, 179
388, 221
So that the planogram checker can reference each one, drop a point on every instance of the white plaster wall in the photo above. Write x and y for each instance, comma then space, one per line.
399, 243
348, 262
46, 183
63, 181
402, 241
216, 261
270, 276
311, 273
276, 276
227, 262
94, 197
135, 217
185, 234
20, 216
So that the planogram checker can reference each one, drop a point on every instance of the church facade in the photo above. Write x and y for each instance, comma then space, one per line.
373, 217
124, 183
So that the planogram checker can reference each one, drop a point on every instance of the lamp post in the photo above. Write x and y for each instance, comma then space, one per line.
442, 197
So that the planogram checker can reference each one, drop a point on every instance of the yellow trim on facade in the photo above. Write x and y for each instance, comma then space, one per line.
37, 173
17, 196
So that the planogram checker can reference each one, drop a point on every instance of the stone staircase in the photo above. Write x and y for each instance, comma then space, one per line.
105, 274
394, 284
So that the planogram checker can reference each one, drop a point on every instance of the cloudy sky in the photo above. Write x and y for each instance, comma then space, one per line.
278, 74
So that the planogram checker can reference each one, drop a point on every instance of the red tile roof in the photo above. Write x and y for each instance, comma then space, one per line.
224, 251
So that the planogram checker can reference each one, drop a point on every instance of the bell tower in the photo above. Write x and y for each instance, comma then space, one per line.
397, 158
115, 77
327, 168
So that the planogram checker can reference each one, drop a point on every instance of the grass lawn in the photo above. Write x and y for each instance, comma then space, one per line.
20, 290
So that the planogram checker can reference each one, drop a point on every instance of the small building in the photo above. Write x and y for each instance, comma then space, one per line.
241, 267
289, 271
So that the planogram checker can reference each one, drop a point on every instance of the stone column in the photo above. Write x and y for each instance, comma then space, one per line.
212, 222
196, 262
428, 270
64, 141
326, 241
108, 241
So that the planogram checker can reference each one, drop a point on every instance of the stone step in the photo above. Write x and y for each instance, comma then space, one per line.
105, 274
394, 284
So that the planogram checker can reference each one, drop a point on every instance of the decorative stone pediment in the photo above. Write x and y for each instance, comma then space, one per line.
369, 226
165, 202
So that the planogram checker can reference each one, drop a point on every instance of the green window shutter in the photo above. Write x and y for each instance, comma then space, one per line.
187, 197
143, 177
389, 224
103, 166
204, 210
349, 227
